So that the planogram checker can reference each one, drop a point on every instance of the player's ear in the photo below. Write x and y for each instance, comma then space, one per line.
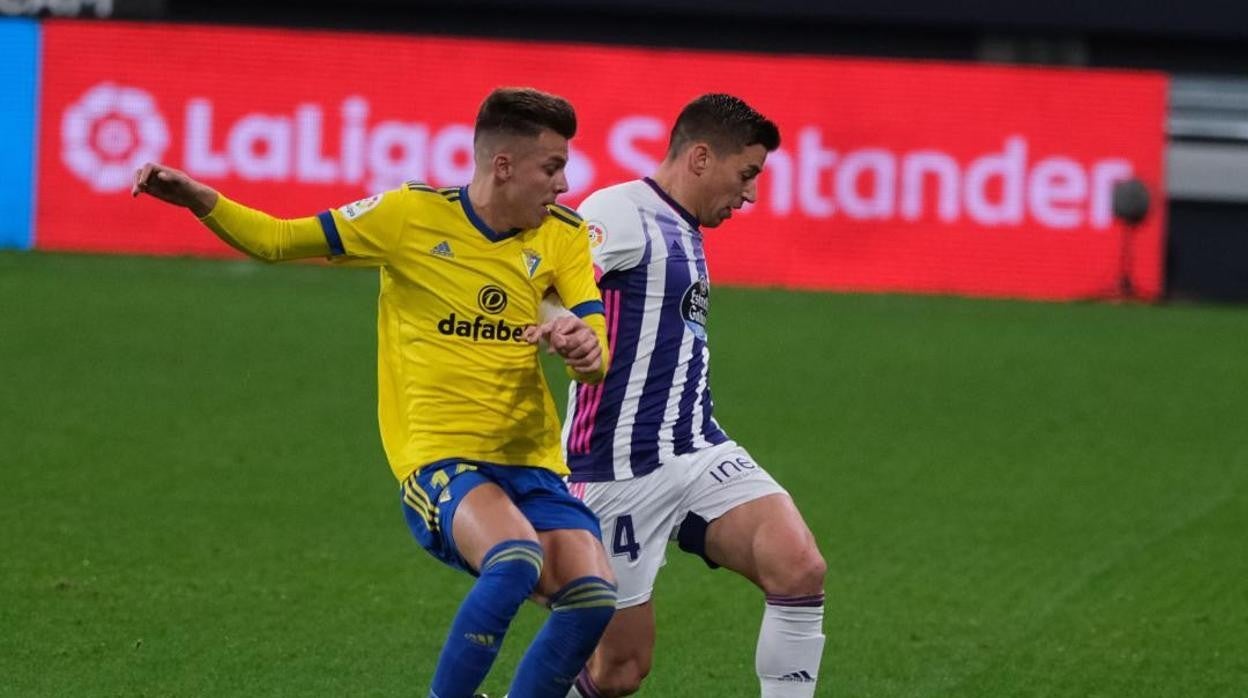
699, 158
503, 166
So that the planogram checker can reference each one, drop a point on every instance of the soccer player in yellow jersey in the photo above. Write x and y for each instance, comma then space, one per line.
467, 421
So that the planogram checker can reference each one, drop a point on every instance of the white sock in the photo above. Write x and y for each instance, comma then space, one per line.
790, 646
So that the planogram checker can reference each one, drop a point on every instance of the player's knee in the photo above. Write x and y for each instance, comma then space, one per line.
801, 572
518, 562
814, 570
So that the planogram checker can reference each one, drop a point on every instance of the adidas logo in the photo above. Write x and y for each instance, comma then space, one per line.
677, 248
482, 639
800, 676
443, 249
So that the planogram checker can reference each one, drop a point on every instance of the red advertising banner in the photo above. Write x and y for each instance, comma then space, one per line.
892, 176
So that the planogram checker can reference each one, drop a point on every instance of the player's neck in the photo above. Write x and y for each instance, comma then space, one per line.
673, 183
489, 207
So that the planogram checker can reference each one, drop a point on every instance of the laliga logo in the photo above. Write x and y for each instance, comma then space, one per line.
112, 130
109, 133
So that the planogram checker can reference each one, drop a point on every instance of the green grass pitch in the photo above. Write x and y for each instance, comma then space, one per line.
1014, 499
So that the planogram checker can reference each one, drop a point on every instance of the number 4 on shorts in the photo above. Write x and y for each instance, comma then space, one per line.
624, 542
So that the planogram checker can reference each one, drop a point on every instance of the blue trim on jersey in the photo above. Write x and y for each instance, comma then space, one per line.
489, 233
689, 217
330, 229
588, 308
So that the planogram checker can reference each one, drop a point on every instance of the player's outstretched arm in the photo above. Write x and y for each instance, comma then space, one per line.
251, 232
174, 187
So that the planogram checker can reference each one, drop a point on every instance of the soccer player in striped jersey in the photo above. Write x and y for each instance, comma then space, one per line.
467, 422
645, 449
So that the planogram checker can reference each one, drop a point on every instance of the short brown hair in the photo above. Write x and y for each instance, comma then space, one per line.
524, 111
726, 123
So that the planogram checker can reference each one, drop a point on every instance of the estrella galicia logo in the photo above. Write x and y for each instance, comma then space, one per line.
695, 305
492, 299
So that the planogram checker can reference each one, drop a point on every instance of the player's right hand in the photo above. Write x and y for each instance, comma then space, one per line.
570, 338
174, 187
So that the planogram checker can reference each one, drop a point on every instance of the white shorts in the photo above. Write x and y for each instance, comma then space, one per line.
639, 516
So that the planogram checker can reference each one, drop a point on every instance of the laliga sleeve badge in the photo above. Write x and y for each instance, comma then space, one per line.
597, 233
356, 209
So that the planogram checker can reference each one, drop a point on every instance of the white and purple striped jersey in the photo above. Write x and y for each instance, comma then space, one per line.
656, 399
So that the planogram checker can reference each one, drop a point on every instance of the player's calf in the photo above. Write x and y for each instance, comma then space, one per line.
623, 657
579, 612
790, 640
767, 541
790, 646
509, 573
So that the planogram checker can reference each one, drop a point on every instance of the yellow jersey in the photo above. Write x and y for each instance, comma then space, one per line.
455, 377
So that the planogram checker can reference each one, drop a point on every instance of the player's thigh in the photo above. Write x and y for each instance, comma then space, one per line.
626, 649
566, 527
433, 497
754, 528
767, 541
637, 518
485, 517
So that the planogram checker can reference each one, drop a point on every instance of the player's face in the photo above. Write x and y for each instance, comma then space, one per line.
537, 177
729, 182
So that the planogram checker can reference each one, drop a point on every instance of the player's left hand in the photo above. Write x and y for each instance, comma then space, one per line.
572, 339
